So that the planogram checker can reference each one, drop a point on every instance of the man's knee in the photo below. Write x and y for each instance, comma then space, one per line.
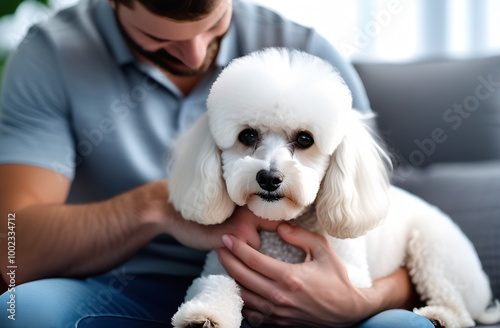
396, 318
45, 303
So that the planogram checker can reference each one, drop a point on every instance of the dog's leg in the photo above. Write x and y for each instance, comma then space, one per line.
212, 301
429, 271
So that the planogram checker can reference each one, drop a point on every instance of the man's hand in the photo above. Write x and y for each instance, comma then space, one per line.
314, 293
243, 224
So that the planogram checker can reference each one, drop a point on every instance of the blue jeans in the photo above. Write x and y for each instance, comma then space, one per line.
121, 300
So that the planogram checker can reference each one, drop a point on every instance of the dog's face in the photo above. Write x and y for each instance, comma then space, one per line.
277, 123
280, 134
276, 173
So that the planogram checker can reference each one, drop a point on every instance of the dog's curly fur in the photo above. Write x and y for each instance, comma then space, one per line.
280, 136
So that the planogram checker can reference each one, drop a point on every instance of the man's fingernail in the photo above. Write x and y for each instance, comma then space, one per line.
226, 240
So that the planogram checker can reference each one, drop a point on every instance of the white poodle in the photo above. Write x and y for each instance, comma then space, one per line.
281, 137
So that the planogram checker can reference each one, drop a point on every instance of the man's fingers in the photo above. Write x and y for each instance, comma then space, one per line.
258, 310
263, 264
244, 227
256, 303
240, 272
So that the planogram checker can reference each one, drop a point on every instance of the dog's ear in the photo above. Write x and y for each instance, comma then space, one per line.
196, 187
354, 194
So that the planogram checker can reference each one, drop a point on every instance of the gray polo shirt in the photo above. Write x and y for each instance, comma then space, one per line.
76, 101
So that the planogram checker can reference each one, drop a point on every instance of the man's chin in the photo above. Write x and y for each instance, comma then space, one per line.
179, 69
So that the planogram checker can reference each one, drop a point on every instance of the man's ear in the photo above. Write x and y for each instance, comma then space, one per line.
354, 194
196, 187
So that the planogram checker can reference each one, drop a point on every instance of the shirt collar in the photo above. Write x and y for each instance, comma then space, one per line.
228, 48
106, 22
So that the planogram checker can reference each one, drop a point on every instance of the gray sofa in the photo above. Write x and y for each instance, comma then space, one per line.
441, 120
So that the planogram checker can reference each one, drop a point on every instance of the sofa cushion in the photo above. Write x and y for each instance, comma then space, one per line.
437, 110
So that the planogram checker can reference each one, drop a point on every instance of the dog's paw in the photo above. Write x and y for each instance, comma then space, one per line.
436, 323
206, 324
196, 314
202, 323
199, 315
443, 316
212, 302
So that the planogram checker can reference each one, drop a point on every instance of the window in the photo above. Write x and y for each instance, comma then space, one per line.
400, 29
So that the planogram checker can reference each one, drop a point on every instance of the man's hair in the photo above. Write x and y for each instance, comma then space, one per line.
180, 10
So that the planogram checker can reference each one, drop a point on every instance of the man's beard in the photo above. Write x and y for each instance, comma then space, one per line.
171, 64
166, 61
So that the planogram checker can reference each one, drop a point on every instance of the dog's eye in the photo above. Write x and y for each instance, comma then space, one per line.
248, 137
304, 140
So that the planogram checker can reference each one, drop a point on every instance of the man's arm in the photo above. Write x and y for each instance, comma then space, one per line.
58, 239
55, 239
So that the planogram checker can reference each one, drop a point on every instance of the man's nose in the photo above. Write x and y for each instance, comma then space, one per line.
194, 51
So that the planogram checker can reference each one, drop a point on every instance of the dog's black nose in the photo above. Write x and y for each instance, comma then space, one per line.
269, 180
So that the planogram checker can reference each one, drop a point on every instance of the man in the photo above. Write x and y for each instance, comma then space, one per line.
92, 102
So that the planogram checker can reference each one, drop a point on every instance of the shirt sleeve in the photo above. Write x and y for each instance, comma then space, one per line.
34, 111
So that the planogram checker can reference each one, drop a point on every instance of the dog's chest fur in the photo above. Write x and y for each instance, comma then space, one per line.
272, 245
